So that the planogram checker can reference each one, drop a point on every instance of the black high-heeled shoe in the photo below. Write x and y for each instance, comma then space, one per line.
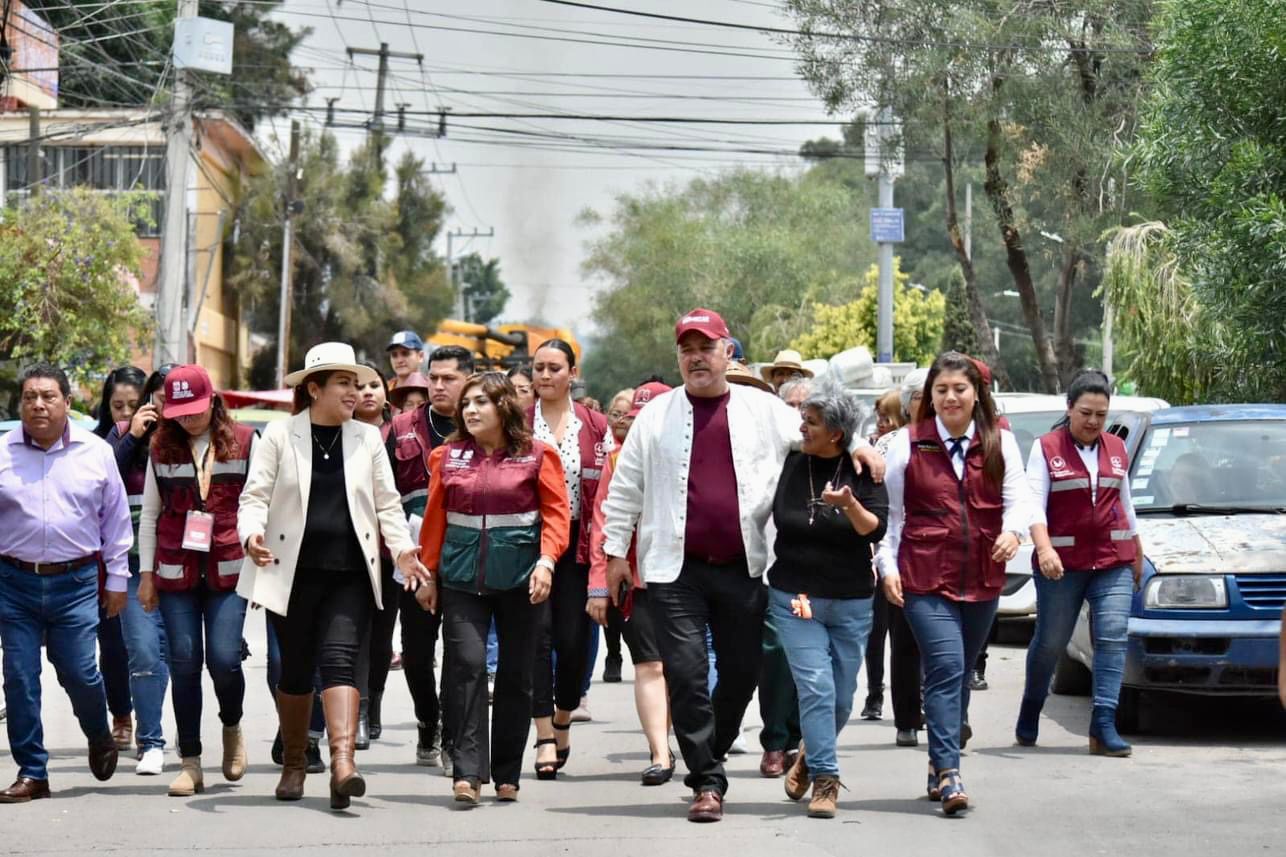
566, 752
546, 770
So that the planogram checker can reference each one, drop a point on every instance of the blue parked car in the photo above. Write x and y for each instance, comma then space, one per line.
1209, 489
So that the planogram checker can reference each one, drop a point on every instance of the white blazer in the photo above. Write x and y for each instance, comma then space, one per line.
274, 504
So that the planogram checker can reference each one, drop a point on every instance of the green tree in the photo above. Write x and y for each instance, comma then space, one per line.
1042, 96
958, 334
1211, 154
485, 294
118, 56
917, 321
757, 247
69, 262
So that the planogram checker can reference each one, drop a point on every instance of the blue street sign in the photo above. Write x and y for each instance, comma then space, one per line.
886, 226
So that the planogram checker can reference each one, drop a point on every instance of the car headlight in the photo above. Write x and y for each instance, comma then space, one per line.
1185, 591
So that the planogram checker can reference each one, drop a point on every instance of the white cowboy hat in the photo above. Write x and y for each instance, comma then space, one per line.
331, 357
787, 359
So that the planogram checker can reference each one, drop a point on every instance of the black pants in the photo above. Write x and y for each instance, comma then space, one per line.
466, 621
377, 647
904, 666
328, 615
419, 639
732, 604
564, 630
639, 633
875, 647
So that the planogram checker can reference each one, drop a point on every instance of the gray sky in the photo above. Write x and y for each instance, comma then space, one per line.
531, 188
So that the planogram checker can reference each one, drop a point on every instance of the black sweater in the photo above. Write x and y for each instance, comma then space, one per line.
827, 559
329, 542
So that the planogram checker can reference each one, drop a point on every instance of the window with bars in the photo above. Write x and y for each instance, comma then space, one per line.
105, 168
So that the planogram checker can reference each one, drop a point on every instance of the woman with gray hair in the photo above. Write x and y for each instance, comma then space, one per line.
827, 517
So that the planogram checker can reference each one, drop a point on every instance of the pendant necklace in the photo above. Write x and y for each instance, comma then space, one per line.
325, 450
433, 427
814, 499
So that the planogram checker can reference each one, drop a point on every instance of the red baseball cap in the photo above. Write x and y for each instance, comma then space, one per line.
645, 394
706, 322
984, 371
187, 392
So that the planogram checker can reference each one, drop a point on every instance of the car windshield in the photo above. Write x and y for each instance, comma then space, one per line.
1220, 466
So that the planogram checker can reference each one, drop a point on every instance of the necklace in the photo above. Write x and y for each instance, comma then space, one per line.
815, 500
326, 448
433, 427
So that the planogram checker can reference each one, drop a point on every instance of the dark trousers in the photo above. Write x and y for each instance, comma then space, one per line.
612, 634
317, 723
732, 604
564, 631
904, 669
328, 615
875, 647
778, 699
377, 646
113, 663
419, 638
466, 620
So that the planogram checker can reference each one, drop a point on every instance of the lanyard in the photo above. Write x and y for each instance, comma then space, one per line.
204, 470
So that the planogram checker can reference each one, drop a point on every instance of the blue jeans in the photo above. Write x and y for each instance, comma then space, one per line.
493, 650
591, 657
63, 610
950, 635
824, 653
204, 627
1058, 603
149, 671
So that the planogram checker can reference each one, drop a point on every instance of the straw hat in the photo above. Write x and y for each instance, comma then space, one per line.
739, 374
331, 357
786, 359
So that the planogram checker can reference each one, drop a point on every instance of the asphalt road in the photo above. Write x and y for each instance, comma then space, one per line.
1207, 779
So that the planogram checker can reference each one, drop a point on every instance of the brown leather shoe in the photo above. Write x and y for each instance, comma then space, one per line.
102, 757
25, 789
293, 713
773, 764
466, 792
706, 806
797, 776
123, 732
507, 793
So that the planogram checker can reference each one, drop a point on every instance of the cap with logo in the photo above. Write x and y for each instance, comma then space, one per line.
187, 391
645, 394
406, 339
706, 322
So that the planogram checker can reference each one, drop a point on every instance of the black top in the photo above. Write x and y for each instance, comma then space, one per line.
828, 558
329, 541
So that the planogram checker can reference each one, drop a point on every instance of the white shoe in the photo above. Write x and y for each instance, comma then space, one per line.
151, 763
581, 713
739, 746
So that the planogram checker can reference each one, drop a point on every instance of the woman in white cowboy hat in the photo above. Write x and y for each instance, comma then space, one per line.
318, 500
788, 364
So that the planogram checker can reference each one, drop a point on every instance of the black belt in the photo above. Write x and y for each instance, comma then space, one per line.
49, 569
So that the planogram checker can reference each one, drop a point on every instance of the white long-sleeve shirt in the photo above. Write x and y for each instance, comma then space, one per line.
650, 482
1015, 492
1038, 481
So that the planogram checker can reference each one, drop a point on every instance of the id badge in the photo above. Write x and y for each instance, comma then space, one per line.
198, 531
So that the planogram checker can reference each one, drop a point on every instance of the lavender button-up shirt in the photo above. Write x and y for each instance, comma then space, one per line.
64, 502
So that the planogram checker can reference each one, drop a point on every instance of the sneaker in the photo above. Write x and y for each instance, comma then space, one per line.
427, 752
448, 766
152, 763
612, 670
739, 746
978, 680
907, 738
825, 797
581, 714
874, 710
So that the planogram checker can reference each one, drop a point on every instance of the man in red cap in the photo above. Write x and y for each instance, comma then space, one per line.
697, 475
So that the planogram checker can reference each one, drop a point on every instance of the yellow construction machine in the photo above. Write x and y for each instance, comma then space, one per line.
500, 347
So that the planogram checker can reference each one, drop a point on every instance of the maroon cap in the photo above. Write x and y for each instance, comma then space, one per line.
706, 322
645, 394
984, 371
187, 392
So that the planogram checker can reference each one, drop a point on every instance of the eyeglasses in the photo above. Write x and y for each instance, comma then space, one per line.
616, 415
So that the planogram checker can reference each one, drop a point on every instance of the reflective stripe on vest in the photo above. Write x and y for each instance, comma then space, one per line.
417, 494
238, 466
1122, 535
1109, 482
135, 501
1068, 485
174, 471
475, 522
591, 473
226, 568
1062, 541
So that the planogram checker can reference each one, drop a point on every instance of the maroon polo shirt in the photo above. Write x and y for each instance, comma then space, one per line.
713, 530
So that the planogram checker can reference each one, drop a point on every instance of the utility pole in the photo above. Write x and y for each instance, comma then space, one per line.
887, 226
287, 243
171, 333
968, 223
34, 177
377, 121
452, 234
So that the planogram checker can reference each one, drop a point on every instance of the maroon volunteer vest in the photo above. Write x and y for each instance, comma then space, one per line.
1088, 531
178, 570
949, 524
411, 442
593, 456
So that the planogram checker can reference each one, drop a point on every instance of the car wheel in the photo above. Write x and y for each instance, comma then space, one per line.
1071, 678
1129, 710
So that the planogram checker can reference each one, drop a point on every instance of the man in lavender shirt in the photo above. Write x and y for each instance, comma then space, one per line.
62, 506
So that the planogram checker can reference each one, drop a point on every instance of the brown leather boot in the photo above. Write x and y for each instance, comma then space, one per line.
340, 705
293, 713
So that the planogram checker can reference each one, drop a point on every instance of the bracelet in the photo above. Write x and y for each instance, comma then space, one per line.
546, 563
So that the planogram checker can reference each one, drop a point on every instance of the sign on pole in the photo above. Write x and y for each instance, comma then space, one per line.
203, 44
887, 226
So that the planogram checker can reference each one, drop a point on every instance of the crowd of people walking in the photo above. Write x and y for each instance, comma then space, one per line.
737, 532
